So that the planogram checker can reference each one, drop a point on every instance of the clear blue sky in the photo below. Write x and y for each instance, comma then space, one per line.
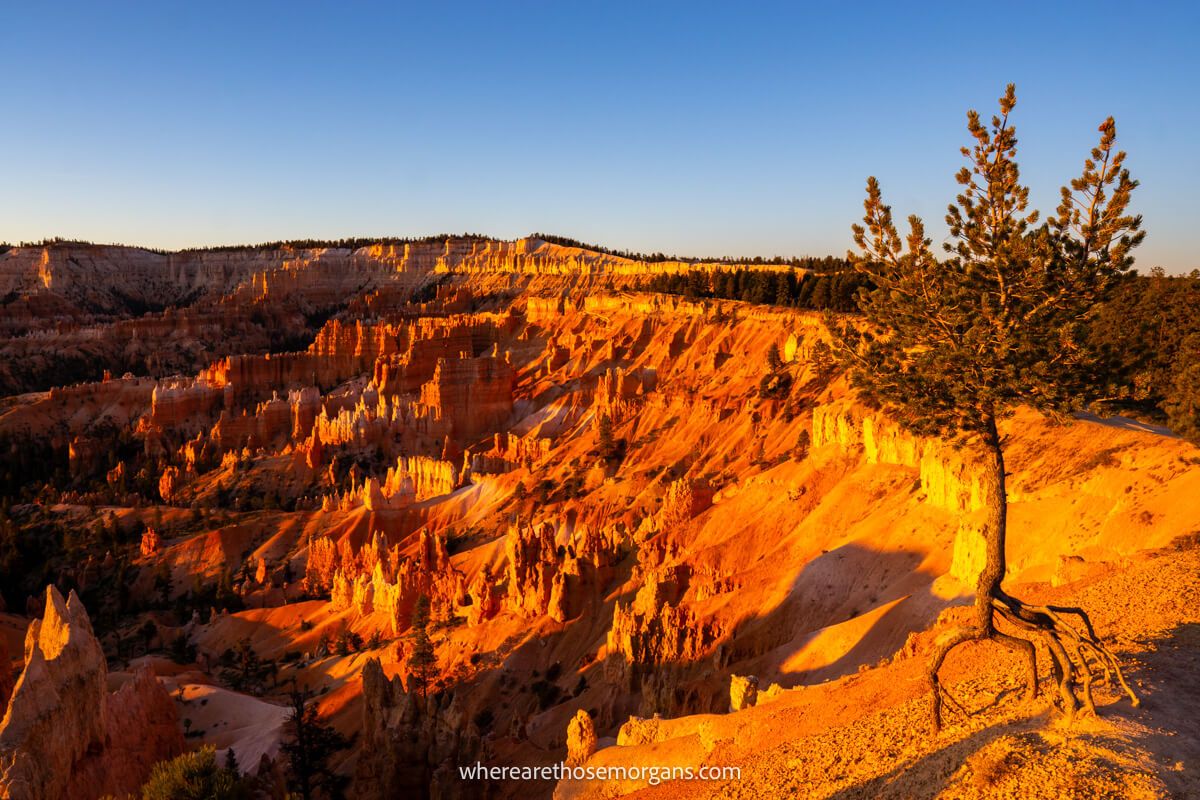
744, 129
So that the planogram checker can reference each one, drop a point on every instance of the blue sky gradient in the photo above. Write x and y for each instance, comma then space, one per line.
680, 127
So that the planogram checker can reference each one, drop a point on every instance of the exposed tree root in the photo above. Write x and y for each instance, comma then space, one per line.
1077, 656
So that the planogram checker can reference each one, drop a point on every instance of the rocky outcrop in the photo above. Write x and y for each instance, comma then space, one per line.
323, 561
63, 735
532, 256
413, 479
682, 501
178, 403
655, 628
373, 419
151, 542
558, 581
619, 392
85, 456
57, 712
639, 730
969, 556
948, 480
170, 483
474, 394
743, 692
413, 745
422, 343
532, 563
75, 281
581, 738
383, 580
417, 478
283, 382
508, 452
485, 597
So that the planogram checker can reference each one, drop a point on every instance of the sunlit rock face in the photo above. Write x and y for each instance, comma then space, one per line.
948, 478
63, 734
57, 712
743, 692
581, 739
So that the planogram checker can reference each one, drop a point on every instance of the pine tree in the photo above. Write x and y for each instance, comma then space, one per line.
803, 442
147, 631
1141, 333
422, 659
1182, 400
820, 298
605, 443
308, 748
953, 346
249, 667
774, 361
783, 295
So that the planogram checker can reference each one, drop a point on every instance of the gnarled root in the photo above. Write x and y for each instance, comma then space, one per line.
1077, 656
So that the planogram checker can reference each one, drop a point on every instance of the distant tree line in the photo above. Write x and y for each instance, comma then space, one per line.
814, 263
821, 291
56, 241
1148, 339
349, 243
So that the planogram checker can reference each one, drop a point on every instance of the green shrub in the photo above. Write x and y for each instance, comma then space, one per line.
194, 776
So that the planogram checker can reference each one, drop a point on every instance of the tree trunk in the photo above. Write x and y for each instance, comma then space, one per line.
995, 496
1073, 653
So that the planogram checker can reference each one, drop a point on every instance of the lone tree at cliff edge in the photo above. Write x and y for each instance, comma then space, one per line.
952, 346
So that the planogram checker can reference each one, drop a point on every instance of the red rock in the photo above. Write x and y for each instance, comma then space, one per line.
581, 738
63, 735
151, 542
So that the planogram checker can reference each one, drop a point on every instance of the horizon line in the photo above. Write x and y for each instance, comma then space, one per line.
563, 241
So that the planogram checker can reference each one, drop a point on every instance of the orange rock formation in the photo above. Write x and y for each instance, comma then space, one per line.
63, 735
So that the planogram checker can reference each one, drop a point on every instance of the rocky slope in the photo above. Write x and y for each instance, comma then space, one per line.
617, 506
867, 735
